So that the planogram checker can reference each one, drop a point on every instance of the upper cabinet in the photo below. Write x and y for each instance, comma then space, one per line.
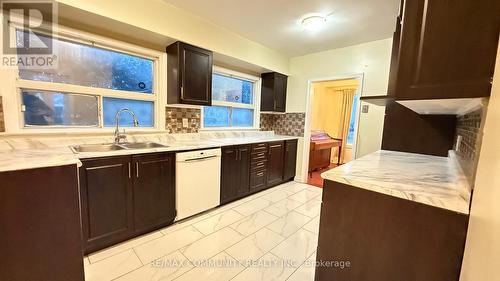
444, 49
273, 94
189, 74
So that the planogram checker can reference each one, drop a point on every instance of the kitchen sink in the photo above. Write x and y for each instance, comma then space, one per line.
106, 147
141, 145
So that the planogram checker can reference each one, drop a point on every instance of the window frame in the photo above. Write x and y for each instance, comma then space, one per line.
255, 106
13, 86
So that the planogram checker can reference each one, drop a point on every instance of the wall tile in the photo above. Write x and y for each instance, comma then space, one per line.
174, 116
289, 124
2, 125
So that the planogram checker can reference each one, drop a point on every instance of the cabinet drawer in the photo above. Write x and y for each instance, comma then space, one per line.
258, 179
259, 156
259, 147
258, 165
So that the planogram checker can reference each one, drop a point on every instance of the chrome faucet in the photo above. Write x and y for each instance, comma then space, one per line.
119, 136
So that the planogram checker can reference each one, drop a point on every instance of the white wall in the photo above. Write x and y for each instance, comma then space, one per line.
482, 250
372, 59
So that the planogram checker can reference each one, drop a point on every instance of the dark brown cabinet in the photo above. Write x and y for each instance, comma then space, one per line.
445, 49
273, 93
40, 234
153, 188
189, 74
235, 171
275, 163
290, 159
258, 167
124, 196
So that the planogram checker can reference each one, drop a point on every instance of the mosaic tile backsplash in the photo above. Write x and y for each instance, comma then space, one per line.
288, 124
174, 116
470, 128
2, 124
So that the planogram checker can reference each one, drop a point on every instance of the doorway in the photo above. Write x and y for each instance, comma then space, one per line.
332, 118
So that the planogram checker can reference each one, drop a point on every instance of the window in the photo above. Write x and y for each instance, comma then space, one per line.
352, 124
233, 101
89, 85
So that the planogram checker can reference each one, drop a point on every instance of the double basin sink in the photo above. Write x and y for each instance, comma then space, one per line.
106, 147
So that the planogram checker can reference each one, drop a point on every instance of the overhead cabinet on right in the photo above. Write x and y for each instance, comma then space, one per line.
273, 93
444, 49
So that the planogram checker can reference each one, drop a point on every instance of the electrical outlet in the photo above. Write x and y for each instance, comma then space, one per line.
365, 108
185, 123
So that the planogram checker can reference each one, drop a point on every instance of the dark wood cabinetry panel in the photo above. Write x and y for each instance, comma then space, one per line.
244, 169
387, 238
273, 92
407, 131
40, 234
235, 173
290, 159
275, 163
106, 195
154, 191
189, 74
447, 49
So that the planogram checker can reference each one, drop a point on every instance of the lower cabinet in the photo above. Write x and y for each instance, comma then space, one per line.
235, 171
125, 196
275, 163
290, 159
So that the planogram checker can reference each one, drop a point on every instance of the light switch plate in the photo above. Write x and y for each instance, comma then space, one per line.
365, 108
185, 122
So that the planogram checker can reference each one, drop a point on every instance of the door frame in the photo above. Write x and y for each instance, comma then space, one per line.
307, 125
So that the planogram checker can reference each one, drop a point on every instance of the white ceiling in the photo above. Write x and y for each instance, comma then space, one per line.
274, 23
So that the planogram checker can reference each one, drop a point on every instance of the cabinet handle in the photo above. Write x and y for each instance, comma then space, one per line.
182, 91
137, 169
129, 170
260, 174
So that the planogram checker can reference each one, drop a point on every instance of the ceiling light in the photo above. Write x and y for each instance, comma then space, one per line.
313, 22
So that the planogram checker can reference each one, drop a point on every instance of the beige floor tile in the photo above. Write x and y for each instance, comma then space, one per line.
313, 225
311, 208
184, 223
293, 187
164, 269
221, 267
253, 206
217, 221
288, 224
167, 244
254, 222
112, 267
282, 207
269, 267
254, 246
86, 261
100, 255
298, 247
306, 271
303, 195
211, 245
276, 196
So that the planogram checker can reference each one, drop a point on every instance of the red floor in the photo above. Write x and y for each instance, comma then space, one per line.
315, 177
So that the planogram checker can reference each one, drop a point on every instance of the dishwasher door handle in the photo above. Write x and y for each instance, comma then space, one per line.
200, 158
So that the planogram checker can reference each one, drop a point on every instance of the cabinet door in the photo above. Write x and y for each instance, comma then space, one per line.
280, 82
243, 186
290, 159
275, 163
447, 49
196, 75
154, 190
106, 201
229, 174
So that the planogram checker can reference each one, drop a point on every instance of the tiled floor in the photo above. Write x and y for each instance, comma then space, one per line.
271, 235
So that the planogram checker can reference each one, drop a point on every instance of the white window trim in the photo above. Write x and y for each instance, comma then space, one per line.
11, 84
255, 106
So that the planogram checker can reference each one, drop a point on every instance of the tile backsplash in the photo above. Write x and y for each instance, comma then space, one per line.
289, 124
470, 129
174, 116
2, 124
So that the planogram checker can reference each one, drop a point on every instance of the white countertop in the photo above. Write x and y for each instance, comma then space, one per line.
50, 152
431, 180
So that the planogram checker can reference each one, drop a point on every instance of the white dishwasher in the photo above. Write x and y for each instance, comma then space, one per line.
197, 181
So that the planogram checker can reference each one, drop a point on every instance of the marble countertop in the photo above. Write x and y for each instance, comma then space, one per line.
430, 180
30, 153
